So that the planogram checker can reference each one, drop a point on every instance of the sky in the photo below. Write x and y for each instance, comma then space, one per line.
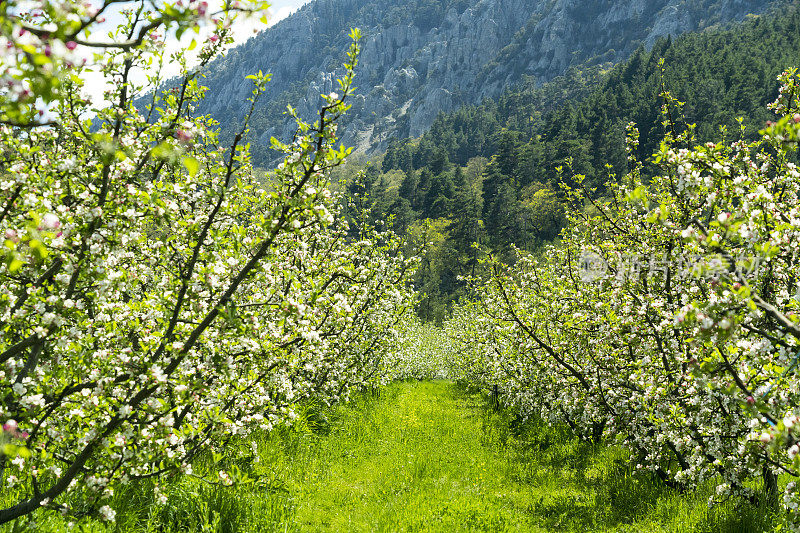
95, 84
282, 8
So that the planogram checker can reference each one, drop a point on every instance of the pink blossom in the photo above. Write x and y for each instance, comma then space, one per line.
51, 221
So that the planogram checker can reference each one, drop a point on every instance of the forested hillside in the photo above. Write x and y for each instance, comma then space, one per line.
489, 173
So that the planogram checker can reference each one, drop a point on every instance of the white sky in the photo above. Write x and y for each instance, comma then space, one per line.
243, 29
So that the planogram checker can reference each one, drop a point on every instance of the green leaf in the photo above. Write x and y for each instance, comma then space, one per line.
38, 249
15, 264
192, 165
163, 151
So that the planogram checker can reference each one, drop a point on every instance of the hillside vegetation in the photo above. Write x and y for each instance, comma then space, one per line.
491, 173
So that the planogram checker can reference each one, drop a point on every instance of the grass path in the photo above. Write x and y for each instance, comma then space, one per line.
425, 465
430, 457
425, 456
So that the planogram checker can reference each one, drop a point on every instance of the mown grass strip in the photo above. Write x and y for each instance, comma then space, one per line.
425, 456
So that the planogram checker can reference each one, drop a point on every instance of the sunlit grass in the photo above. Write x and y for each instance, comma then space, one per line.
425, 456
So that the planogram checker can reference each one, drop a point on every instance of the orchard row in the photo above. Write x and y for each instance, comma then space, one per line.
156, 299
667, 318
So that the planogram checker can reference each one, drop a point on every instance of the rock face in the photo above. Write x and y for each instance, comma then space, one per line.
422, 57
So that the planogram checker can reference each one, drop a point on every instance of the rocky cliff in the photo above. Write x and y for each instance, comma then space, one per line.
421, 57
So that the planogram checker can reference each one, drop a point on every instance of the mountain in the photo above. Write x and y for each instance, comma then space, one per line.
488, 173
422, 57
719, 75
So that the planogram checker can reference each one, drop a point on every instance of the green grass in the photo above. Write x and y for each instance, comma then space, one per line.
427, 456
